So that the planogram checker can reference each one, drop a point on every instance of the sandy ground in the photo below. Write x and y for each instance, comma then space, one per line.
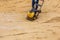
14, 26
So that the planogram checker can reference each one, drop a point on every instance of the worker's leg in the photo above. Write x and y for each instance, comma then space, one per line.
33, 2
37, 3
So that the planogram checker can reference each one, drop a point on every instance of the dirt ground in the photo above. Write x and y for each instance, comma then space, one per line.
15, 26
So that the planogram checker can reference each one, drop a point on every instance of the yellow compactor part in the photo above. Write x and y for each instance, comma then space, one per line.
30, 14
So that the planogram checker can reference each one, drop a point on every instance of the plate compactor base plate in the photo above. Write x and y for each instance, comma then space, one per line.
31, 19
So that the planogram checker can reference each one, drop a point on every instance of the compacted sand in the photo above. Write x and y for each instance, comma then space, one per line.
14, 26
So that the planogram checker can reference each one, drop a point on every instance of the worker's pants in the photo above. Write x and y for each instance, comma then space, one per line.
34, 3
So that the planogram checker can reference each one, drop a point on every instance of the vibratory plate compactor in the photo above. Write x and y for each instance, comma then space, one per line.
33, 13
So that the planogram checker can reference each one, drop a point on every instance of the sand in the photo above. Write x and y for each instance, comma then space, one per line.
15, 26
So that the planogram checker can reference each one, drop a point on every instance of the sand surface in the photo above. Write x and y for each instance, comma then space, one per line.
14, 26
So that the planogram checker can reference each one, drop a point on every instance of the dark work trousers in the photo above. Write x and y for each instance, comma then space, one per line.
34, 4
